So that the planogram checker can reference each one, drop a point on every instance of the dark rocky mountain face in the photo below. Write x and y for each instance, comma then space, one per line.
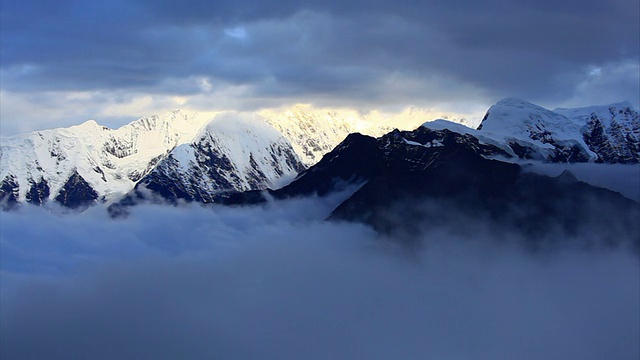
536, 208
36, 195
9, 193
76, 193
363, 158
38, 192
617, 144
612, 132
428, 178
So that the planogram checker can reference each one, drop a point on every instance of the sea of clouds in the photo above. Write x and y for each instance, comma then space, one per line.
278, 282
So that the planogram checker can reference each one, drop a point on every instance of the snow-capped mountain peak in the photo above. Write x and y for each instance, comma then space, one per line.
109, 161
622, 111
515, 117
314, 133
233, 152
612, 131
609, 133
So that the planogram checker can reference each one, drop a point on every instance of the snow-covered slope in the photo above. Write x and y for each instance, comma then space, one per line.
612, 131
533, 131
313, 133
234, 152
107, 161
608, 134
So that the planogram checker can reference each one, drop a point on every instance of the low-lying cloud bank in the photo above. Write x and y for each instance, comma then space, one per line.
621, 178
279, 282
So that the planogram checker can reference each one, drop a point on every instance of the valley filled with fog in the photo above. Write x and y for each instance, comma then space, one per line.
276, 281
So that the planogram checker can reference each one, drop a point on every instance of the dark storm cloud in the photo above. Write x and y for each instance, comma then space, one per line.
537, 50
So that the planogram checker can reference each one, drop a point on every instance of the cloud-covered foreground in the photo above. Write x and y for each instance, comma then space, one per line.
279, 282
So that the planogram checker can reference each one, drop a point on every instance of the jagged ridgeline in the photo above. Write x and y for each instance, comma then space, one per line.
175, 156
178, 157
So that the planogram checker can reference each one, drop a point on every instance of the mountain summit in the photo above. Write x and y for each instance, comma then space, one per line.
609, 133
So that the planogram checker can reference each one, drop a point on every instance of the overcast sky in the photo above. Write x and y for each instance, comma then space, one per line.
66, 61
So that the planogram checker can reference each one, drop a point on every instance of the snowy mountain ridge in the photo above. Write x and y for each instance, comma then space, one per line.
107, 164
604, 112
233, 152
181, 156
609, 133
110, 161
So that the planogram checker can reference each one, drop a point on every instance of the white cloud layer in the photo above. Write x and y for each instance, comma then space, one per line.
277, 282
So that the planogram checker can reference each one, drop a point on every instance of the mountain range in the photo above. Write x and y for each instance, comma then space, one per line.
86, 164
238, 158
408, 180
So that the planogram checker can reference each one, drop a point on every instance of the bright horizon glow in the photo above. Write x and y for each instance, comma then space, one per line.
115, 114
